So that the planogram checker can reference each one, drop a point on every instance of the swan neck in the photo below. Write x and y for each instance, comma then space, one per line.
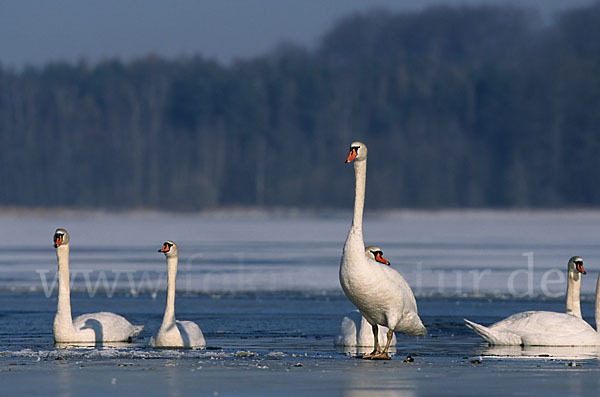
169, 317
597, 312
360, 174
64, 288
573, 292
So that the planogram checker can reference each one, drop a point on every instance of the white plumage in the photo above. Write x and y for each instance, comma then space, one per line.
175, 333
87, 328
541, 328
355, 330
378, 291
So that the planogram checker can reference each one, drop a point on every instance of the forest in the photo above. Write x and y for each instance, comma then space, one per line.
461, 107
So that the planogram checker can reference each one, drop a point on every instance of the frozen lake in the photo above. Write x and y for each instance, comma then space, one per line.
451, 253
265, 291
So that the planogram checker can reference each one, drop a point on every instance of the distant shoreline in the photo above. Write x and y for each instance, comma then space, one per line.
292, 211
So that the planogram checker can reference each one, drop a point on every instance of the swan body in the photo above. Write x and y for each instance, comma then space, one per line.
355, 330
175, 333
541, 328
87, 328
379, 292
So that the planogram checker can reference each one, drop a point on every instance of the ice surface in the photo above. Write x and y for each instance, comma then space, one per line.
456, 253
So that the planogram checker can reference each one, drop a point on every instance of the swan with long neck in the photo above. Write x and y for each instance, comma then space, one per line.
379, 292
355, 330
574, 271
175, 333
542, 328
87, 328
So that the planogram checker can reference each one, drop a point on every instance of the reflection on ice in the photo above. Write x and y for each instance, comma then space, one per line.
359, 350
95, 345
361, 383
537, 352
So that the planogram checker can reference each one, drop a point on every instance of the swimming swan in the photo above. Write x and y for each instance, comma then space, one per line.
175, 333
92, 327
542, 328
378, 291
574, 271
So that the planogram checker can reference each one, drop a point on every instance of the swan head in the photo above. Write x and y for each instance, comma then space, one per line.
358, 152
169, 248
376, 254
61, 238
577, 263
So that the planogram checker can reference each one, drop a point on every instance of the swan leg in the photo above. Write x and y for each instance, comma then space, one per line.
384, 355
377, 348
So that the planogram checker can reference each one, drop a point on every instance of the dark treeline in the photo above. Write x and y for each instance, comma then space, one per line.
460, 107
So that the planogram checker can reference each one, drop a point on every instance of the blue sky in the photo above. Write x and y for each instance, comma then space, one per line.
38, 31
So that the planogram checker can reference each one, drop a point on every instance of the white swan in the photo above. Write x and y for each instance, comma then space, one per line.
574, 271
378, 291
541, 328
175, 333
355, 331
92, 327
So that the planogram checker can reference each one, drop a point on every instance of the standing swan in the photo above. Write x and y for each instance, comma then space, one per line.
355, 330
175, 333
378, 291
541, 328
92, 327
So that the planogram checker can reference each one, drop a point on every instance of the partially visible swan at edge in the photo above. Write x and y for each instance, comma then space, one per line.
355, 331
175, 333
378, 291
542, 328
92, 327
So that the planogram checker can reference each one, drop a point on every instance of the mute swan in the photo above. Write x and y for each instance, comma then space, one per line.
92, 327
574, 268
175, 333
541, 328
378, 291
355, 331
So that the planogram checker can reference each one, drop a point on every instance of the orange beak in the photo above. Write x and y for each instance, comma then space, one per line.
165, 248
580, 268
379, 258
351, 155
57, 241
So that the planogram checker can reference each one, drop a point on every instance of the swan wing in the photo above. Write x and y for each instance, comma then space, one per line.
191, 334
104, 327
410, 322
401, 286
495, 337
348, 332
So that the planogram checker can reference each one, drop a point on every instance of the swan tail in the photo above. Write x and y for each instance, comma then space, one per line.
136, 330
495, 337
